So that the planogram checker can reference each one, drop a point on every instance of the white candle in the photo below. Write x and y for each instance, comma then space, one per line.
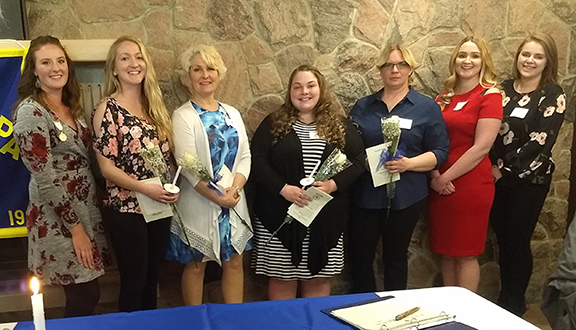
37, 305
176, 176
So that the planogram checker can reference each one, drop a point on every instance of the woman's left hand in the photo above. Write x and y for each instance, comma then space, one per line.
82, 246
441, 186
328, 186
399, 165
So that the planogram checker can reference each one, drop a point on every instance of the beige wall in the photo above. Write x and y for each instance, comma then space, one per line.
261, 42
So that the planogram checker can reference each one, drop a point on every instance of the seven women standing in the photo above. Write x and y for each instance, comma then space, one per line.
425, 143
66, 243
522, 167
216, 224
285, 148
132, 116
462, 188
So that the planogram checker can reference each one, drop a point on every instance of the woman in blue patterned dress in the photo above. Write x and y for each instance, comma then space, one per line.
212, 227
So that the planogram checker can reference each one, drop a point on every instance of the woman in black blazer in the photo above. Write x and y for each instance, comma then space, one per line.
286, 147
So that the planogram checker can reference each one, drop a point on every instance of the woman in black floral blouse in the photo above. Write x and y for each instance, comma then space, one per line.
132, 116
66, 243
522, 167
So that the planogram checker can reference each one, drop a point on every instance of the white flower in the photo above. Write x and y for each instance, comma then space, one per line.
508, 138
542, 138
504, 128
561, 103
533, 136
535, 164
549, 111
524, 174
136, 132
541, 99
505, 101
500, 163
524, 100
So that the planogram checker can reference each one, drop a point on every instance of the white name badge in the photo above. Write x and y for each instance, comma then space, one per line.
519, 112
405, 123
460, 105
314, 135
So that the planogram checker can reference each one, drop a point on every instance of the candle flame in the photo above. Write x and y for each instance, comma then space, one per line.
35, 285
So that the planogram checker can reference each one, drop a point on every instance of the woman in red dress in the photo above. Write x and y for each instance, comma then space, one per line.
462, 188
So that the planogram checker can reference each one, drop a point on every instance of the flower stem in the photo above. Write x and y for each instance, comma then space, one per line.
287, 220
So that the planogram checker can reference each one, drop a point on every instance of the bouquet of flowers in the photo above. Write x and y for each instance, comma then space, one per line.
192, 164
391, 132
154, 161
335, 163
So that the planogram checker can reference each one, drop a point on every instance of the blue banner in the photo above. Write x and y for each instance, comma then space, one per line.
14, 177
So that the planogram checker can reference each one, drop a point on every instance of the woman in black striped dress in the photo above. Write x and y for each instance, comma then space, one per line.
285, 148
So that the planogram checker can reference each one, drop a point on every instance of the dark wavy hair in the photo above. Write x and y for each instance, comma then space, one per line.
328, 117
71, 95
550, 72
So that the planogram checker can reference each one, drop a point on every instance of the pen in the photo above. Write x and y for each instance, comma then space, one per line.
406, 313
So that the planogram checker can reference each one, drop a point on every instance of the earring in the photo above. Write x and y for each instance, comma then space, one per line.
114, 73
37, 83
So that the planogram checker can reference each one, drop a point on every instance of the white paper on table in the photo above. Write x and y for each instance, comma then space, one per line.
151, 209
383, 312
380, 176
306, 214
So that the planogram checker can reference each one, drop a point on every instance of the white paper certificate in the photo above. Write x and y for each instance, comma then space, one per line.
305, 215
380, 176
151, 209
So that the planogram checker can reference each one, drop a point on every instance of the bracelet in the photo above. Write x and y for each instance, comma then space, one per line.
238, 190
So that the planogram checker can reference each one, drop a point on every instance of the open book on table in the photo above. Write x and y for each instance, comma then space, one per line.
383, 313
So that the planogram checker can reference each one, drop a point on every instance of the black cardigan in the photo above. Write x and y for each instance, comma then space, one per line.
273, 166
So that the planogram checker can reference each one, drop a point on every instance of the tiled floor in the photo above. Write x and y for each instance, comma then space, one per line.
170, 296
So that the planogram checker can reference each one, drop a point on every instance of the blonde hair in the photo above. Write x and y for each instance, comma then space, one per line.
403, 49
209, 55
152, 101
328, 116
487, 77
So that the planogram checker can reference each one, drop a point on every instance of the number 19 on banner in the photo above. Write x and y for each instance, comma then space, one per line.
16, 218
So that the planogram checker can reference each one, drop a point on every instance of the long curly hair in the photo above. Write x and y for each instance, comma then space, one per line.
487, 77
71, 94
550, 72
152, 101
328, 117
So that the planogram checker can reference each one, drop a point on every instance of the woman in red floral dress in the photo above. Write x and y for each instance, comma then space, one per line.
66, 243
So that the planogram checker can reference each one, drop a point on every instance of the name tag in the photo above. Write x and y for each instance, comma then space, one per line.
314, 135
460, 105
405, 123
519, 112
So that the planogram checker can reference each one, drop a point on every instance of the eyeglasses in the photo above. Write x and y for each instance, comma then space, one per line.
399, 65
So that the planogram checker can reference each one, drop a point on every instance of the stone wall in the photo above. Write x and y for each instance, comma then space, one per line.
262, 41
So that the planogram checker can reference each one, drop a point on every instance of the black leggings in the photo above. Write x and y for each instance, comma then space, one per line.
140, 248
513, 217
81, 298
365, 229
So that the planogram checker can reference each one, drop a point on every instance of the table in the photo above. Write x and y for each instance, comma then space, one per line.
295, 314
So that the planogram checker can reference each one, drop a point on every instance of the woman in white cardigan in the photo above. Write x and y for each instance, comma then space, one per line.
215, 225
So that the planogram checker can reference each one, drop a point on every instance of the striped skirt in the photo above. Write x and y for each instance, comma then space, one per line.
274, 260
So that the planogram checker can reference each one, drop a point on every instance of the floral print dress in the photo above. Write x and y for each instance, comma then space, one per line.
523, 147
120, 138
62, 195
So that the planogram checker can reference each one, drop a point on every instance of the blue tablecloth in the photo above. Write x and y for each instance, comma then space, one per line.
278, 315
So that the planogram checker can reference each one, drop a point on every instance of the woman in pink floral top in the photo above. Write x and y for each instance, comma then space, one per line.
66, 243
132, 116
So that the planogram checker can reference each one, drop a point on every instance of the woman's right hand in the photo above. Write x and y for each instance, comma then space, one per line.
229, 199
158, 193
295, 195
496, 173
